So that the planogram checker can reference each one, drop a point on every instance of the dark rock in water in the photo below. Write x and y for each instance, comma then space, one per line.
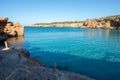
3, 37
24, 53
1, 58
35, 62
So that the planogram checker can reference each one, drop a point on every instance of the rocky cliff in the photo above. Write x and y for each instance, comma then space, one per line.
105, 22
10, 29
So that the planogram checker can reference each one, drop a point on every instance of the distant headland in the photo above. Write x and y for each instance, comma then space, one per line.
110, 22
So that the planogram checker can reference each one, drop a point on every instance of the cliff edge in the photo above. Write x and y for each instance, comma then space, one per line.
10, 29
110, 22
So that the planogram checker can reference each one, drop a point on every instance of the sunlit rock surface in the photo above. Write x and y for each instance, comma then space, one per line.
9, 29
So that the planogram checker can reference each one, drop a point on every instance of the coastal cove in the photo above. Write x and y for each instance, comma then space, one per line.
91, 52
60, 40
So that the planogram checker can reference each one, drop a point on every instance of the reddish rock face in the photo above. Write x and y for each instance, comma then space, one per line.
35, 62
3, 22
9, 24
113, 22
3, 19
10, 29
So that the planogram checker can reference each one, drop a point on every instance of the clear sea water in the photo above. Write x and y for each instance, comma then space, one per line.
91, 52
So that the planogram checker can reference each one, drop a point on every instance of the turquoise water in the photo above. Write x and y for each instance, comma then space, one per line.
91, 52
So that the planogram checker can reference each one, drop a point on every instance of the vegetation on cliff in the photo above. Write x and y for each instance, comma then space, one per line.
112, 16
104, 22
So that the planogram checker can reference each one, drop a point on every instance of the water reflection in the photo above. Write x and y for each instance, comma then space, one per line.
15, 41
98, 32
101, 32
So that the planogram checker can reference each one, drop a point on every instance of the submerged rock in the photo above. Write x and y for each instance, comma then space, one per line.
35, 62
24, 53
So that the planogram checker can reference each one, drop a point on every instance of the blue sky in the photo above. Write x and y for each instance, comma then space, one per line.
42, 11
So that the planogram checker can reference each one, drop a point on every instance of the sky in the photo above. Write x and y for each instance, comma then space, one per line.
44, 11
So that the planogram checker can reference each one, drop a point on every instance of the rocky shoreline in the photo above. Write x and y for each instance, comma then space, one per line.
110, 22
16, 64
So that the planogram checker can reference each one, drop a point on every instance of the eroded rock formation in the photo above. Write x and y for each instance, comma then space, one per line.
10, 29
111, 22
